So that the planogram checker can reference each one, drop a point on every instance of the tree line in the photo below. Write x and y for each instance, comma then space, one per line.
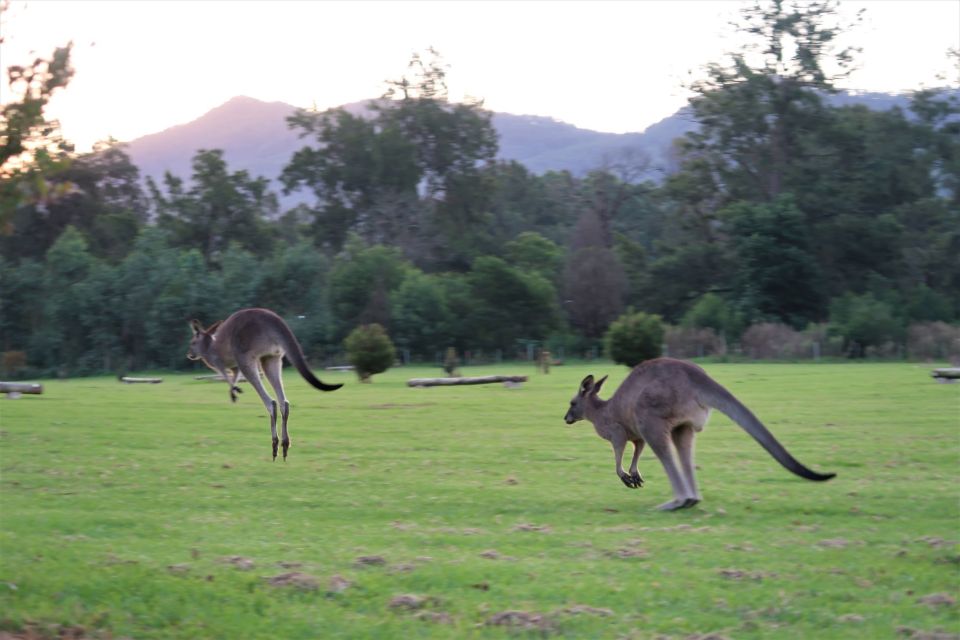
781, 220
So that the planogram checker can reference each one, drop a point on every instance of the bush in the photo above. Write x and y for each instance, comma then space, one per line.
713, 312
633, 338
369, 350
691, 342
864, 322
934, 341
770, 340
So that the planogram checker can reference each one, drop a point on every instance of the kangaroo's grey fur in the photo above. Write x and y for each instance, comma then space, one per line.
247, 341
666, 401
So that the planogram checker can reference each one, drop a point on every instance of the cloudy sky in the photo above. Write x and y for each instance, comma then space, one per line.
610, 66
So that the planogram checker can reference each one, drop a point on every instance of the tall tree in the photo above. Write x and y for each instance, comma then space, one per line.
752, 111
218, 208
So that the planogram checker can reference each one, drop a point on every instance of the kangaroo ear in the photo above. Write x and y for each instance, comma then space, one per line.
596, 387
214, 326
196, 326
586, 385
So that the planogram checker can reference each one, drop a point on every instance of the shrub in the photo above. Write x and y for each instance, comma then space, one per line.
692, 342
864, 322
634, 337
770, 340
934, 341
713, 312
369, 350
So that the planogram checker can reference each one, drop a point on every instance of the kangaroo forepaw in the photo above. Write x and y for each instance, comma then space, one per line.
632, 481
233, 393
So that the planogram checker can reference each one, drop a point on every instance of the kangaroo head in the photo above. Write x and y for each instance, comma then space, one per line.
578, 405
200, 343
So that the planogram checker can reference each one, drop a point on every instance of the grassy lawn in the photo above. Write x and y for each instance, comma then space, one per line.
155, 511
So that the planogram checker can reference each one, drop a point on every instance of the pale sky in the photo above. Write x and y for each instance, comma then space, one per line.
142, 66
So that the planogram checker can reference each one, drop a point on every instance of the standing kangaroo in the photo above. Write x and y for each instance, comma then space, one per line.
666, 400
247, 341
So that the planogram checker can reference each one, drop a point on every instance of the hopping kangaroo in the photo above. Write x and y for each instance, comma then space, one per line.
664, 401
248, 340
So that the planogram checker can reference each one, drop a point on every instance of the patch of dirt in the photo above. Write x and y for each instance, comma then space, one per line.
370, 561
539, 528
289, 565
936, 543
411, 601
521, 620
706, 636
493, 554
438, 617
179, 568
295, 579
834, 543
917, 634
48, 632
239, 562
338, 584
114, 560
626, 553
938, 599
738, 574
851, 617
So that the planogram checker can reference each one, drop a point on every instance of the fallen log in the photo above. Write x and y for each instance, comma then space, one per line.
16, 389
949, 374
448, 382
129, 380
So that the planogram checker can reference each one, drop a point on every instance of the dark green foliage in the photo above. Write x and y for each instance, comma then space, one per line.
633, 338
777, 277
508, 305
713, 312
778, 204
218, 208
369, 350
864, 322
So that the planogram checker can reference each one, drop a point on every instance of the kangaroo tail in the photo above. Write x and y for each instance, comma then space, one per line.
714, 395
294, 354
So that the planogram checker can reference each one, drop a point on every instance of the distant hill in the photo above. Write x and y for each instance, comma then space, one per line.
254, 136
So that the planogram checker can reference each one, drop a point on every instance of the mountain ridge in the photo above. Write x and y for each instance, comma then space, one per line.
253, 135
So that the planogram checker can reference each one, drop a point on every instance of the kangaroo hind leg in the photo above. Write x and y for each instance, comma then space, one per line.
273, 369
683, 439
659, 440
251, 372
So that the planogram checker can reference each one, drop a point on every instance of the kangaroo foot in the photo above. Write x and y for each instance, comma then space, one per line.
689, 502
673, 505
233, 393
637, 479
631, 481
286, 445
276, 441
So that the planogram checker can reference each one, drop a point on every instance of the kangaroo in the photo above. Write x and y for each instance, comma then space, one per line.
247, 341
666, 400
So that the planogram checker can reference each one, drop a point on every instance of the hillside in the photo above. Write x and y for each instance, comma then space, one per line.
254, 136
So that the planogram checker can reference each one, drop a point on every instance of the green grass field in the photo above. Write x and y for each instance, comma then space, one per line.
155, 511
